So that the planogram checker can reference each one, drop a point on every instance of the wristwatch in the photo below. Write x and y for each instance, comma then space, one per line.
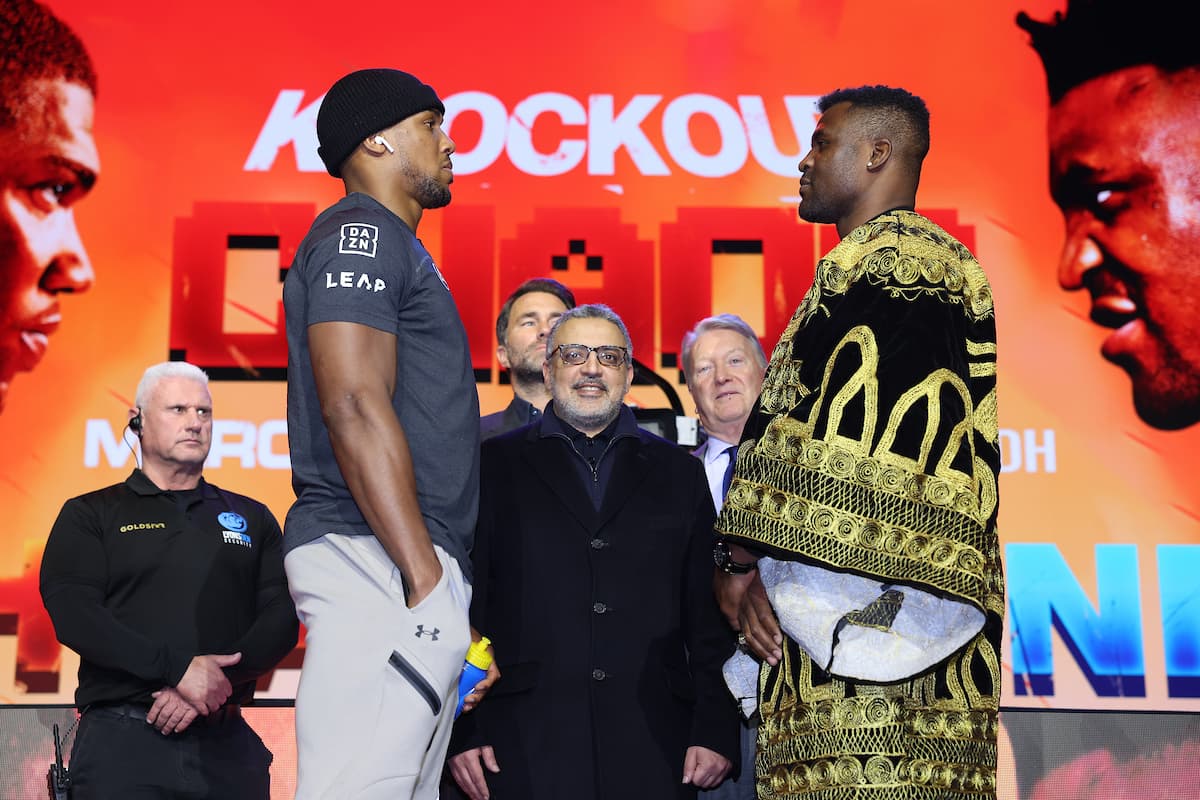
723, 558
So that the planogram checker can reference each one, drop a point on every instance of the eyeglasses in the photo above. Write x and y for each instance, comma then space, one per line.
607, 355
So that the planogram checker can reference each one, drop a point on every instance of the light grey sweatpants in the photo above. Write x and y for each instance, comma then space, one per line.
378, 687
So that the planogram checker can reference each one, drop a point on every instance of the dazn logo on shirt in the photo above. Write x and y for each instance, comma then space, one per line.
359, 239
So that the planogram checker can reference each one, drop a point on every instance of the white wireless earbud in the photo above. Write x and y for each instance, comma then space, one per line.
384, 142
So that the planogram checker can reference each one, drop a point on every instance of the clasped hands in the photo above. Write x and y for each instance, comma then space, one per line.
203, 689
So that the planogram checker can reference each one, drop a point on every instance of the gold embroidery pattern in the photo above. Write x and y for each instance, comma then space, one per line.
880, 613
895, 544
847, 510
932, 263
865, 465
782, 388
842, 495
835, 741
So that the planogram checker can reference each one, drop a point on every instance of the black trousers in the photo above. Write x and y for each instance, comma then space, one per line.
118, 755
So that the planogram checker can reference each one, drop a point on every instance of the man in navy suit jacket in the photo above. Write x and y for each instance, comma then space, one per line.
724, 364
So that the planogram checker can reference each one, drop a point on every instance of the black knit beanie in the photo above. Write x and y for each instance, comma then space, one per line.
364, 102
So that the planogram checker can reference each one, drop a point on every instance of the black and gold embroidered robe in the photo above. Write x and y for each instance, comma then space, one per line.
873, 450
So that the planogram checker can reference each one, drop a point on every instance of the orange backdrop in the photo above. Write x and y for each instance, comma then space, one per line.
628, 136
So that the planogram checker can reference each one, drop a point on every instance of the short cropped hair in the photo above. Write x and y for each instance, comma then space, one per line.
720, 322
1096, 37
36, 45
590, 311
887, 111
547, 285
167, 369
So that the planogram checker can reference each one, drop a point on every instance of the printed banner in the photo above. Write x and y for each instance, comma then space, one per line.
644, 153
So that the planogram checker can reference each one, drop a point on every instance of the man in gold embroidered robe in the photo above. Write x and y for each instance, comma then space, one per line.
859, 548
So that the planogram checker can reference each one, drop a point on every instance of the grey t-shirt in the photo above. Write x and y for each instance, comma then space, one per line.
360, 263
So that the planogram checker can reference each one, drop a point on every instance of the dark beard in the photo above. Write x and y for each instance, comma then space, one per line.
430, 193
813, 211
526, 375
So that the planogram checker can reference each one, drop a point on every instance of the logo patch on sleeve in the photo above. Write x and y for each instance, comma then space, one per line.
359, 239
438, 272
232, 520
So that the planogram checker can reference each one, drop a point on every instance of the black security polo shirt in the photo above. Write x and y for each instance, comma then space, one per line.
138, 580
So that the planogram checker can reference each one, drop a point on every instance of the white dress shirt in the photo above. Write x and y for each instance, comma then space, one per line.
712, 453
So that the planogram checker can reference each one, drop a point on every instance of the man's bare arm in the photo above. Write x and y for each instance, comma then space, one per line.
355, 370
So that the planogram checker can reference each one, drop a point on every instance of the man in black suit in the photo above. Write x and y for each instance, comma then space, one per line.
593, 575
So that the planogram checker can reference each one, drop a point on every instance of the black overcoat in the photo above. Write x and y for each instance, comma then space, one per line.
605, 628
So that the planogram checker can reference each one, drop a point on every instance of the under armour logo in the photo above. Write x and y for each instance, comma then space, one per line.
431, 634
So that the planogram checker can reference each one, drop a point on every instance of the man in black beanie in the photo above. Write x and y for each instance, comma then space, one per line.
383, 423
